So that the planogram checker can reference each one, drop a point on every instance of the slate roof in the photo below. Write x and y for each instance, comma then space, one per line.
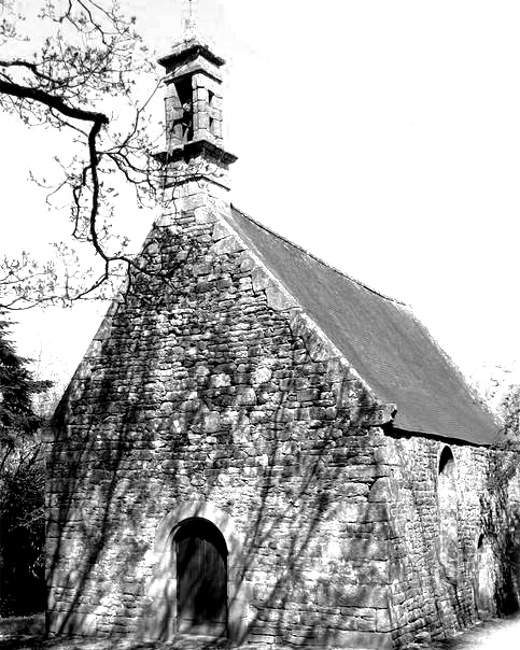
380, 337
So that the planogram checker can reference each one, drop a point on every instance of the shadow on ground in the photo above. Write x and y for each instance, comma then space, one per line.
494, 634
489, 635
44, 643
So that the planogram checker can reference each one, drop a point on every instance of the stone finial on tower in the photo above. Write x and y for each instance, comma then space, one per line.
193, 106
190, 20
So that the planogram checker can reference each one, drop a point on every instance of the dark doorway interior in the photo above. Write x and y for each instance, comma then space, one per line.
201, 579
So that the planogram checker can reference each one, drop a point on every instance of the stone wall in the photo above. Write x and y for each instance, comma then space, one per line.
207, 393
427, 595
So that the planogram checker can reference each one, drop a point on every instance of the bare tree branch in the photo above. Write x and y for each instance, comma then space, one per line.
37, 95
94, 54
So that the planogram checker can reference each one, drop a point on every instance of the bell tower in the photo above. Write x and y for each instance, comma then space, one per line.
193, 107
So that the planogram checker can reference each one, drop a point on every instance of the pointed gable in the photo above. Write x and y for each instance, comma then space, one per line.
390, 349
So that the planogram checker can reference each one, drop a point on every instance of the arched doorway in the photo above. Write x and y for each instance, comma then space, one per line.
201, 570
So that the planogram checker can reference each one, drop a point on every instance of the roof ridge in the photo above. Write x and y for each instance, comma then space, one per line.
320, 261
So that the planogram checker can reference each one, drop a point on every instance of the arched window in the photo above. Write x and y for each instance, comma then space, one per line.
448, 513
201, 569
484, 575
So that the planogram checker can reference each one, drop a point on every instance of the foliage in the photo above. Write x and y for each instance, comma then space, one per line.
21, 485
509, 410
22, 566
76, 67
502, 501
17, 417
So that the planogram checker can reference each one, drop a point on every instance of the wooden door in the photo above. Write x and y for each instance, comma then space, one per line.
201, 579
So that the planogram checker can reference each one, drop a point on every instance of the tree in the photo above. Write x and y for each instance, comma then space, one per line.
502, 500
21, 485
22, 524
82, 79
17, 417
509, 411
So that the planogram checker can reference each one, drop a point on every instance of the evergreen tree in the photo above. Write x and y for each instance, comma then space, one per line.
17, 417
21, 485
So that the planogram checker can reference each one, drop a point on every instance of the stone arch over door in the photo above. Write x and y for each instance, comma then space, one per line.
218, 542
448, 542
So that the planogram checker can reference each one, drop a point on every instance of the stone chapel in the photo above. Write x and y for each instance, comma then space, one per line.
257, 448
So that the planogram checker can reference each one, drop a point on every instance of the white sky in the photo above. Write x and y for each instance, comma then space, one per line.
383, 136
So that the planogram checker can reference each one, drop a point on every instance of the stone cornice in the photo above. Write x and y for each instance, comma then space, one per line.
194, 149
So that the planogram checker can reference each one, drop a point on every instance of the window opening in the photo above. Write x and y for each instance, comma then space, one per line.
448, 514
183, 124
484, 576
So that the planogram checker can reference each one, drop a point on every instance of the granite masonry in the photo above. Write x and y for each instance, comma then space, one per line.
257, 447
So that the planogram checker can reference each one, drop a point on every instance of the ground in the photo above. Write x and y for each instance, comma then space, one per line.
495, 634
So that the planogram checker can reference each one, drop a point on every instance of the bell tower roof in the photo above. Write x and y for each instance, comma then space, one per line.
191, 47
